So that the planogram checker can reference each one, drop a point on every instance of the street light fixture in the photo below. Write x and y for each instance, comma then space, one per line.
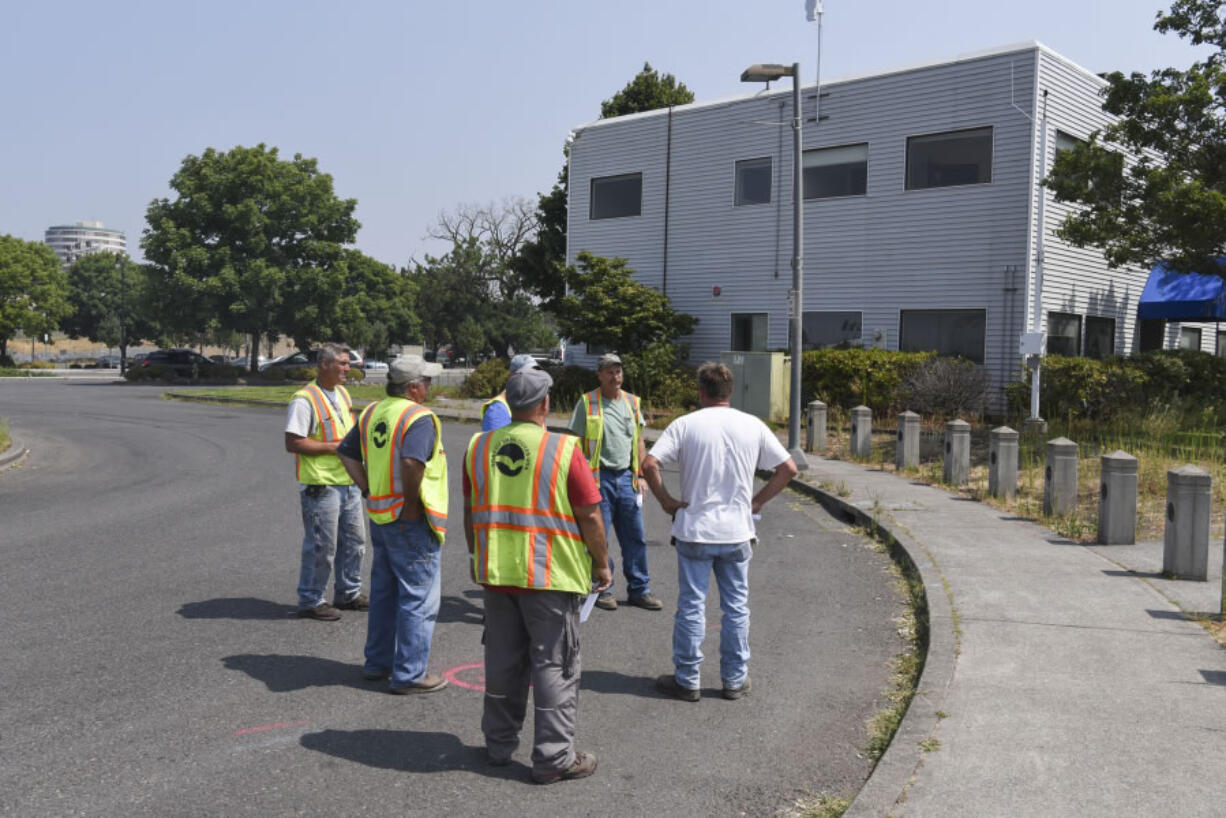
766, 72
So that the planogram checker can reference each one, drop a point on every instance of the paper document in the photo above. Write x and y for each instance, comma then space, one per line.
588, 604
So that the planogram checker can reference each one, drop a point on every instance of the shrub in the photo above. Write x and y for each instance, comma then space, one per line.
355, 375
486, 380
273, 374
7, 362
136, 374
569, 383
848, 377
38, 365
657, 376
949, 387
299, 373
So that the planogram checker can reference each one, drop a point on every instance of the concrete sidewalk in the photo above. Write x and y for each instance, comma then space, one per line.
1058, 681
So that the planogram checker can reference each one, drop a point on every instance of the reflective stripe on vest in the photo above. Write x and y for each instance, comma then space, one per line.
385, 495
525, 532
593, 431
331, 425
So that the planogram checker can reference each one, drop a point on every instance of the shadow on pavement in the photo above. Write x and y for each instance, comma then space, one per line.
1214, 677
408, 751
455, 609
607, 681
1114, 572
282, 674
243, 607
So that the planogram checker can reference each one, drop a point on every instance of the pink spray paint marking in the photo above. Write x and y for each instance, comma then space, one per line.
263, 728
478, 678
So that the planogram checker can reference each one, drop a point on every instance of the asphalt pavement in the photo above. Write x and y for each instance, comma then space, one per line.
152, 664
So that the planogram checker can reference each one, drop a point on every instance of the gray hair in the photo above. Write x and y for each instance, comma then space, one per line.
332, 352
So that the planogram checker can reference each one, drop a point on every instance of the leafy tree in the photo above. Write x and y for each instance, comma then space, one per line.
106, 292
376, 305
251, 240
471, 296
540, 262
33, 289
1170, 204
608, 308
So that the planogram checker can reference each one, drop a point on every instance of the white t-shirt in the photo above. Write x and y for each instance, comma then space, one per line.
717, 450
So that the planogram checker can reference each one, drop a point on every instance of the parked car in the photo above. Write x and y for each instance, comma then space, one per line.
375, 366
107, 362
185, 363
241, 362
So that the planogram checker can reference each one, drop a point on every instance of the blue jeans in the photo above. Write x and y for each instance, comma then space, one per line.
333, 531
404, 600
695, 563
619, 503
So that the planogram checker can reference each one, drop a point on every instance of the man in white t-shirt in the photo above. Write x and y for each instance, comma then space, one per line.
717, 450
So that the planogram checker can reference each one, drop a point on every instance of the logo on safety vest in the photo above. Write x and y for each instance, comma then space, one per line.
510, 458
380, 434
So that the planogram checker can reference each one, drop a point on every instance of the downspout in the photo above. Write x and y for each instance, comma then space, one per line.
668, 179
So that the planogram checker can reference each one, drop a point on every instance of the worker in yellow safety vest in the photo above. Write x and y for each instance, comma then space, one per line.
318, 416
534, 529
396, 457
609, 423
494, 412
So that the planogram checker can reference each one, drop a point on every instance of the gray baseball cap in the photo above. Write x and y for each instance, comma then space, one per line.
608, 359
528, 387
407, 368
524, 361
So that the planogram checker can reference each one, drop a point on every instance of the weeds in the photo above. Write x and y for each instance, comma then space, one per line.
5, 440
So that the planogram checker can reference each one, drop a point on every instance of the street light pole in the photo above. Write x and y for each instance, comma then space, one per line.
766, 73
123, 313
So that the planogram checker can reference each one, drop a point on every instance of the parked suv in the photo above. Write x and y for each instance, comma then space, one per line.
183, 362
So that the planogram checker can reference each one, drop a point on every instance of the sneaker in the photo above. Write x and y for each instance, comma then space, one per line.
737, 692
323, 612
647, 602
496, 761
606, 602
361, 602
428, 684
667, 683
375, 675
585, 765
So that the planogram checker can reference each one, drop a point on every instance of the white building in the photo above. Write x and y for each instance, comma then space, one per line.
920, 221
70, 242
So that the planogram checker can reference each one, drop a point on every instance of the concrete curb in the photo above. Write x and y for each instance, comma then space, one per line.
13, 455
890, 778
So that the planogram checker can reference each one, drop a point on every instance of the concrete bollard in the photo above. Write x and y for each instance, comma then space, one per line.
1117, 499
906, 453
862, 433
957, 452
1002, 463
1060, 477
1185, 542
817, 426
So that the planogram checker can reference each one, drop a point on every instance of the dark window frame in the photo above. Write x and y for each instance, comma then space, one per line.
733, 345
978, 357
1200, 337
805, 186
1078, 346
597, 181
1104, 320
738, 187
857, 338
932, 137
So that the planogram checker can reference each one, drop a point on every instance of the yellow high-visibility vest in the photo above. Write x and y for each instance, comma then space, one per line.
525, 531
593, 431
382, 429
331, 425
501, 397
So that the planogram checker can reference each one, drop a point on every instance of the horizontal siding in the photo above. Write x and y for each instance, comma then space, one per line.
892, 249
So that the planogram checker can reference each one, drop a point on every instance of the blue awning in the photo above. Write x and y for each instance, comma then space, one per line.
1174, 296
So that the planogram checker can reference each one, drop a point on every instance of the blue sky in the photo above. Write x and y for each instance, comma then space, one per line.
414, 108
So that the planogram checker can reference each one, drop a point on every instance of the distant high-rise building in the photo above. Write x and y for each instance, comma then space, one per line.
70, 242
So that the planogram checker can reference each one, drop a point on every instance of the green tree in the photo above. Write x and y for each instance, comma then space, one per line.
33, 289
1170, 203
541, 261
376, 305
250, 240
606, 307
105, 292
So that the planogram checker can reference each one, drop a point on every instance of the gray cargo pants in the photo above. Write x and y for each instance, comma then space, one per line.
532, 637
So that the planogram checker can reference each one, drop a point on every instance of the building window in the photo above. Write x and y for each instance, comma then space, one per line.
1064, 334
1066, 142
614, 197
1189, 338
828, 329
753, 181
945, 159
958, 333
1152, 332
1221, 344
1100, 337
839, 171
749, 331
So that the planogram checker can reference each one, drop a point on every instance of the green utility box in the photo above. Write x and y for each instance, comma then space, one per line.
760, 383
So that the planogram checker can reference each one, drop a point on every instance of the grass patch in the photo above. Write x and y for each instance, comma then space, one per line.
257, 395
822, 806
5, 440
14, 372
